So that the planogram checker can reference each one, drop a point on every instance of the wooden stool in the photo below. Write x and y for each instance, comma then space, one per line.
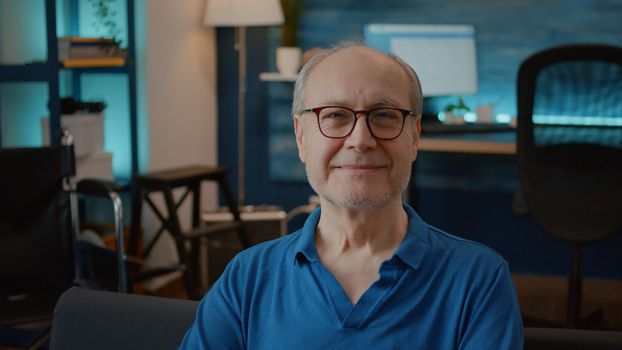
165, 182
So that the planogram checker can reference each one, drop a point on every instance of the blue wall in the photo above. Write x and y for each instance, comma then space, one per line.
23, 104
506, 33
474, 198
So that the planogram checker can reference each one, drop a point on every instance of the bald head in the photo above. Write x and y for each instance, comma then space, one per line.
345, 54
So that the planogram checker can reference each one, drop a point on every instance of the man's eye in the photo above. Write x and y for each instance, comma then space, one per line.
335, 115
385, 114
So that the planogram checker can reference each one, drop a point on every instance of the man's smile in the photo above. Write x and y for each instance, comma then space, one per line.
359, 169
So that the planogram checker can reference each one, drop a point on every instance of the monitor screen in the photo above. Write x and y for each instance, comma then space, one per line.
442, 55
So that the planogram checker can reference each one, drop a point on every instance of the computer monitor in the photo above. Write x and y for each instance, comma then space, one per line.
442, 55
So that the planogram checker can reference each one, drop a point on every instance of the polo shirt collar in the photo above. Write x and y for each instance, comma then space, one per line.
411, 251
305, 244
415, 243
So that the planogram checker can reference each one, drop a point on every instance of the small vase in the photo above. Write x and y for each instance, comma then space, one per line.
288, 60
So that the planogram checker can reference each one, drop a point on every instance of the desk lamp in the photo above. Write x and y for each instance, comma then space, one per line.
241, 14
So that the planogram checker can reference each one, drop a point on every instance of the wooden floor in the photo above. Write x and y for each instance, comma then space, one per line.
174, 289
544, 297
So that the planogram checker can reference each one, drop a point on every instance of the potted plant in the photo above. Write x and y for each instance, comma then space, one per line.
104, 22
454, 113
288, 55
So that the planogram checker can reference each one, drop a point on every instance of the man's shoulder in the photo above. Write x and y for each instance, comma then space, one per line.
463, 250
435, 244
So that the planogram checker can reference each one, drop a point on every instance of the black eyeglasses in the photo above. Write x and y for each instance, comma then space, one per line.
336, 122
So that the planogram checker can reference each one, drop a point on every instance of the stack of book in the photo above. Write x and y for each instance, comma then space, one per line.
79, 52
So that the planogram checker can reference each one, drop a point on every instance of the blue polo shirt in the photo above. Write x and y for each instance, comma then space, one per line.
437, 292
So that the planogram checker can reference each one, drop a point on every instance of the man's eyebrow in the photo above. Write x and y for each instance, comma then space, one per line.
385, 102
335, 103
382, 102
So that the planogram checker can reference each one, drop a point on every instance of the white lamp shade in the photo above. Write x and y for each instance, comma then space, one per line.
242, 13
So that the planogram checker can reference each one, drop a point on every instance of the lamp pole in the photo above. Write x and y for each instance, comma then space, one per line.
240, 46
241, 14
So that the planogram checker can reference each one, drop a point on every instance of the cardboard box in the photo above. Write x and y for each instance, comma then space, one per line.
268, 217
262, 223
87, 131
95, 166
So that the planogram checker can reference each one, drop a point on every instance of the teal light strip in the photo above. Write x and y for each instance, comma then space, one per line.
577, 120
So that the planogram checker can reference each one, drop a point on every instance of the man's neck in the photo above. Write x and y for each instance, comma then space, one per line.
352, 244
376, 230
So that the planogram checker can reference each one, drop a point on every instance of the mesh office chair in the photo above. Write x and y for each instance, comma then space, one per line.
38, 221
572, 174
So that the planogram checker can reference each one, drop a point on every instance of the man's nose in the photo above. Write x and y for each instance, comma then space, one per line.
361, 137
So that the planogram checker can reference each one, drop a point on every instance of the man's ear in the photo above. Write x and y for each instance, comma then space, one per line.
299, 131
416, 130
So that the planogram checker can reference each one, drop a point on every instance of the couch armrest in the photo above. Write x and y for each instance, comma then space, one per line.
86, 319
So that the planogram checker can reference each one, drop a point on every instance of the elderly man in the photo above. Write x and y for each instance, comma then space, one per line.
365, 271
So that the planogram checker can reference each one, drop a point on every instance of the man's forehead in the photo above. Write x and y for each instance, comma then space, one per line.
357, 70
357, 54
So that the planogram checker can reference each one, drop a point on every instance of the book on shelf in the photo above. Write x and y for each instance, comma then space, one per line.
85, 47
86, 40
93, 62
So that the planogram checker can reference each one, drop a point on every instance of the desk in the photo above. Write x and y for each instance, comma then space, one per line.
504, 142
493, 143
483, 143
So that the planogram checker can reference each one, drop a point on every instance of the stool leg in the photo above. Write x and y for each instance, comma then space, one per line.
175, 230
135, 224
195, 244
195, 188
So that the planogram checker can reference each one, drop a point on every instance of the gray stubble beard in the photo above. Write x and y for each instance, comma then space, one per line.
396, 188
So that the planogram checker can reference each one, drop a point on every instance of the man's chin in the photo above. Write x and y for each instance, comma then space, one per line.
356, 194
362, 201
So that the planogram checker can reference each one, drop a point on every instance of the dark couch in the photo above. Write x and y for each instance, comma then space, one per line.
86, 319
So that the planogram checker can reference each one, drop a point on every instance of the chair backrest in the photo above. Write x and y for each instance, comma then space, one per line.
36, 242
570, 140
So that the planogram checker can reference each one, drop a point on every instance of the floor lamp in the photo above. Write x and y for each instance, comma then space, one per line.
241, 14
